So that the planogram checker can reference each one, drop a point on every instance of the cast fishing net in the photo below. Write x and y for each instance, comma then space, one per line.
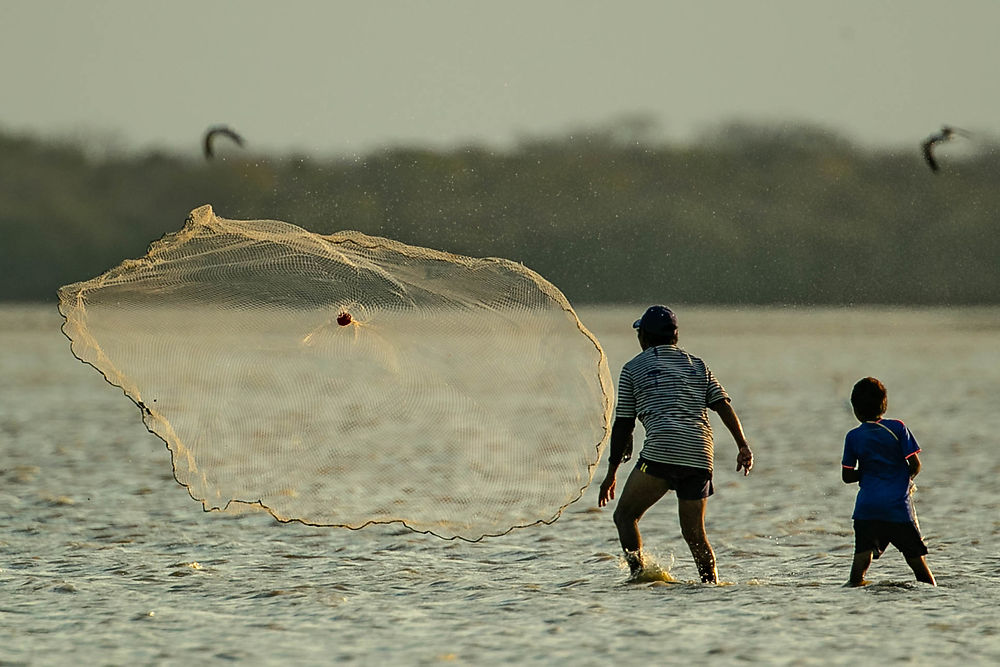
346, 379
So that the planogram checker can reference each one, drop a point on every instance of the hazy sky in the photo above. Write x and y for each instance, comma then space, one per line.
334, 76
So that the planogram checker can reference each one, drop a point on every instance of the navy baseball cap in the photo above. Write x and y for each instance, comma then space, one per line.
657, 320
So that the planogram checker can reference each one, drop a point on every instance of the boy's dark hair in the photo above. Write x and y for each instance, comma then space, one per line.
869, 399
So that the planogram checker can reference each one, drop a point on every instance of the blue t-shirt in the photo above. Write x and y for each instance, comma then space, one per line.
879, 449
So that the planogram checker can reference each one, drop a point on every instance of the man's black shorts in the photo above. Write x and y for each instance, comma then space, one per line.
875, 536
689, 483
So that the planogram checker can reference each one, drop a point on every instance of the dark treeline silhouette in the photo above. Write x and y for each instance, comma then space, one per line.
750, 215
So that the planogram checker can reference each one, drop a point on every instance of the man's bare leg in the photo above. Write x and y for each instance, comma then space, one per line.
862, 561
641, 491
692, 518
921, 570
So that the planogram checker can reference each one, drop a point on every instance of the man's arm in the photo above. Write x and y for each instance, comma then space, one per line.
849, 475
913, 461
620, 450
744, 459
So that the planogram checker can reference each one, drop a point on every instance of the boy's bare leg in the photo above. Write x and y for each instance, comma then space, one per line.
641, 491
921, 570
692, 517
862, 561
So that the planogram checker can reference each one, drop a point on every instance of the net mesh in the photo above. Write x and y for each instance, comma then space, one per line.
347, 380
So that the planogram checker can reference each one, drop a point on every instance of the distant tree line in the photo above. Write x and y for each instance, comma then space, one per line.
753, 215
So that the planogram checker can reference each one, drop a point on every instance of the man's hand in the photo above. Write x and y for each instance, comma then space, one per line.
607, 490
744, 460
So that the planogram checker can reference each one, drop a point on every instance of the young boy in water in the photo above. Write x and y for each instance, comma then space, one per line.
881, 455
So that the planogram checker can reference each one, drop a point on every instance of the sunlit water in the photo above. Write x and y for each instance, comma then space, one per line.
105, 559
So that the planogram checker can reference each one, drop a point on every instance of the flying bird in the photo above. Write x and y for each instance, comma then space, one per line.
946, 134
224, 130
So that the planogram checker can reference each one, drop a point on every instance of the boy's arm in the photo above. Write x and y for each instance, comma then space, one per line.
850, 468
913, 461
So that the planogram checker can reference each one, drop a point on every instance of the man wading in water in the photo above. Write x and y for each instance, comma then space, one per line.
669, 391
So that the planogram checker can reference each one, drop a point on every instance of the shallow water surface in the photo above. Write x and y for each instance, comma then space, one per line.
104, 558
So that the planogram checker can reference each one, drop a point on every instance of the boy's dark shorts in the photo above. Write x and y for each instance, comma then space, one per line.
876, 536
689, 483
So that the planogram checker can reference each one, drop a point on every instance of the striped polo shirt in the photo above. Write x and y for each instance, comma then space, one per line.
669, 391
